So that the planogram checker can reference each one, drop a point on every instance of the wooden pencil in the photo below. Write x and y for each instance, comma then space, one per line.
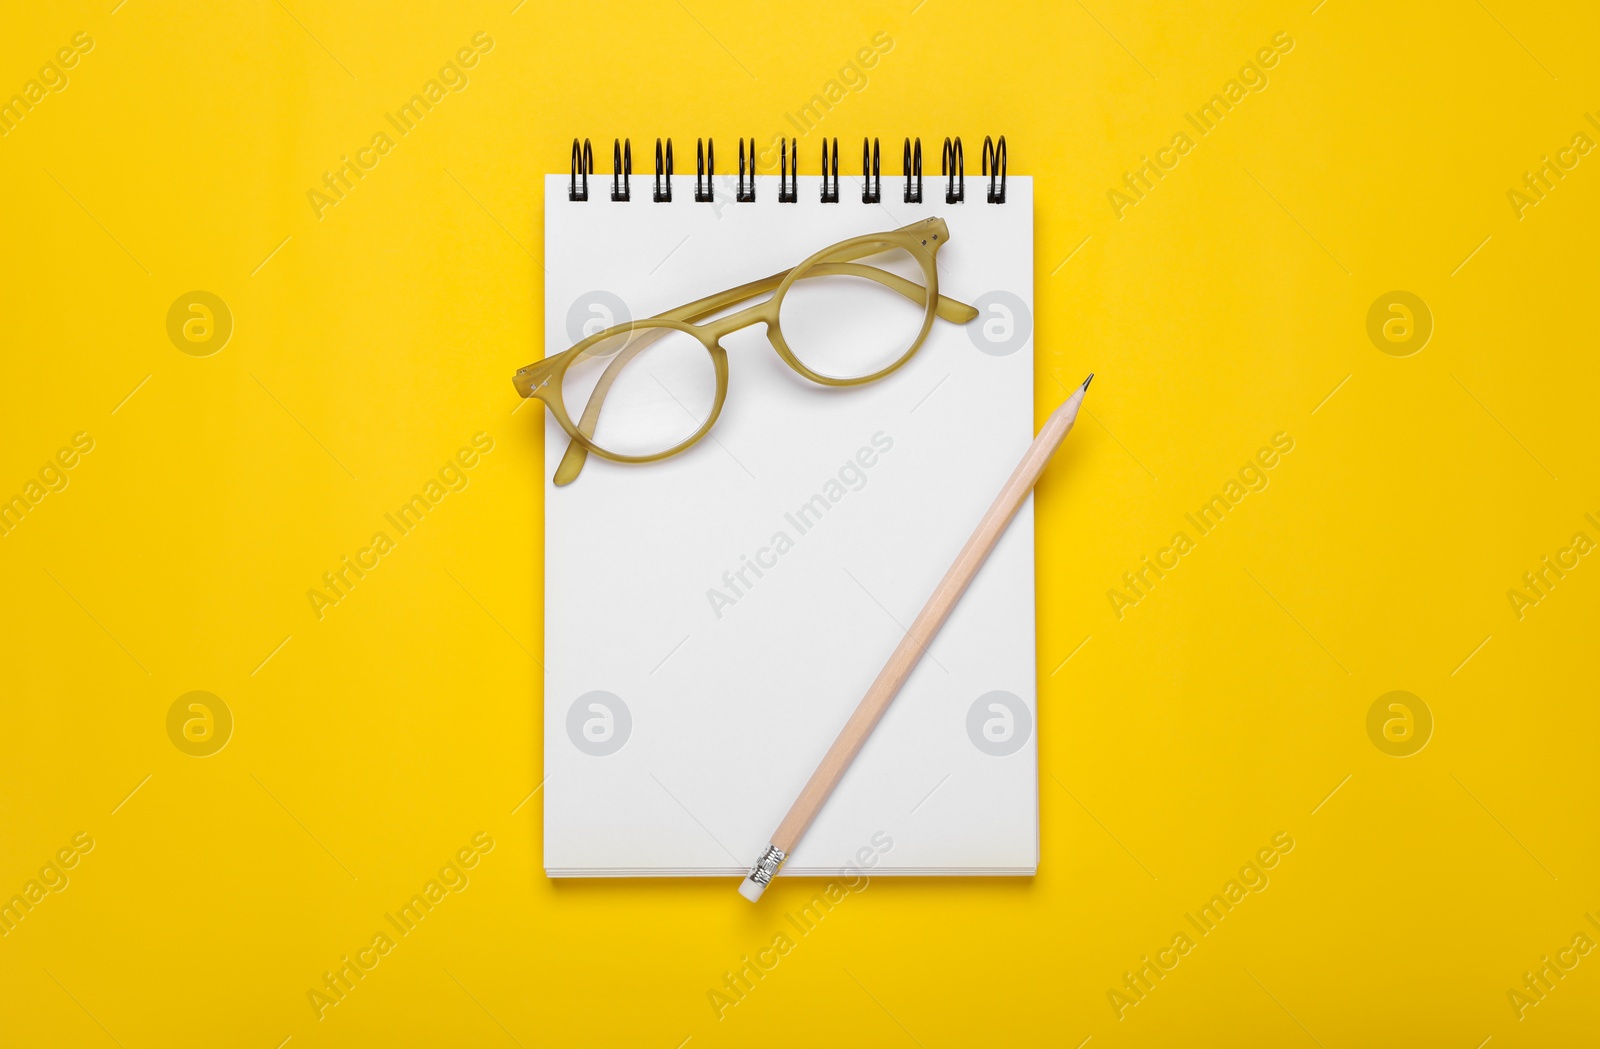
916, 640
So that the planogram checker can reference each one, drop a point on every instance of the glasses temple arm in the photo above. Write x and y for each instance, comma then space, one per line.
950, 309
841, 264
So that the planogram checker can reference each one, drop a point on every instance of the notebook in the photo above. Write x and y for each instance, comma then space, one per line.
712, 619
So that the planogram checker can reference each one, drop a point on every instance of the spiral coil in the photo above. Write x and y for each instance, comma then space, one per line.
994, 162
705, 165
582, 166
953, 165
830, 192
871, 178
622, 169
789, 157
952, 168
663, 183
746, 195
912, 164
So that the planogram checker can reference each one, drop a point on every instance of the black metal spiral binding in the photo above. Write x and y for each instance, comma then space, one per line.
953, 166
830, 195
871, 177
705, 169
788, 191
582, 165
746, 195
994, 162
663, 183
622, 169
912, 163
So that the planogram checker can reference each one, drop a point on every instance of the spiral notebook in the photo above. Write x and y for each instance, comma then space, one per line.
712, 619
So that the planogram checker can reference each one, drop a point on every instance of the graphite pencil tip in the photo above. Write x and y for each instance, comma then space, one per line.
1087, 381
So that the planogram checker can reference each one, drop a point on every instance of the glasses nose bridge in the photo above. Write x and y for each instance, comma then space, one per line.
757, 313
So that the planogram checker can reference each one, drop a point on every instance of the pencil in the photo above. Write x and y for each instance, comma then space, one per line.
916, 640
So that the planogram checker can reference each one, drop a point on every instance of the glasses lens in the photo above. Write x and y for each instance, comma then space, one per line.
641, 392
844, 317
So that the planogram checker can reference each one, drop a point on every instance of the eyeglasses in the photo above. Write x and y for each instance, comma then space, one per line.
649, 389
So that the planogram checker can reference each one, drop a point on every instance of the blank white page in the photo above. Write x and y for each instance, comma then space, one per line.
679, 727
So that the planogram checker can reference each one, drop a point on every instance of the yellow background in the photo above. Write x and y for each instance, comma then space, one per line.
1224, 708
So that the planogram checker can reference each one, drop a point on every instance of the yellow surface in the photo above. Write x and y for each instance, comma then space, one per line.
208, 896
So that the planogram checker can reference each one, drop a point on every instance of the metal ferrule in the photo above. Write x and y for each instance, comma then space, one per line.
767, 865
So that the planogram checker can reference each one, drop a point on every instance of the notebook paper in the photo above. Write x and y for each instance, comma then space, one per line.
711, 620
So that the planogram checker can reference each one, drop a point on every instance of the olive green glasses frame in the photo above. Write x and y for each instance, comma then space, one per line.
545, 380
